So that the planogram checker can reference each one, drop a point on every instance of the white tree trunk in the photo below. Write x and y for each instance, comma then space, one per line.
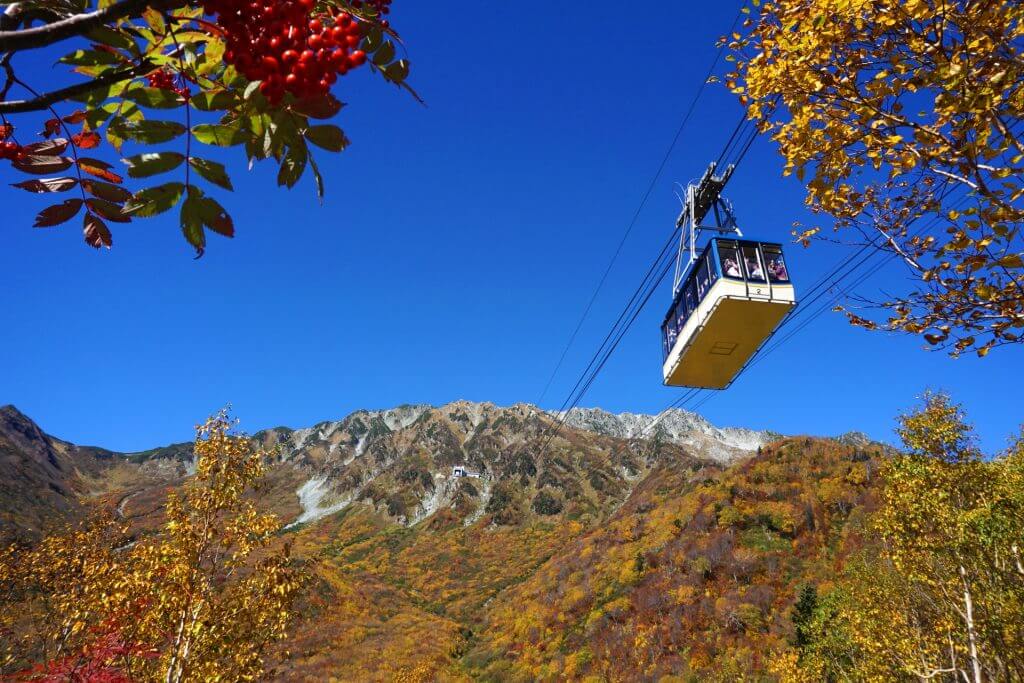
972, 636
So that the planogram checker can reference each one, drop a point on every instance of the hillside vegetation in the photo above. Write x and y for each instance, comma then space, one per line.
607, 557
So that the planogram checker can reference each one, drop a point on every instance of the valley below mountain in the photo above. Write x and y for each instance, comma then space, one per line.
471, 541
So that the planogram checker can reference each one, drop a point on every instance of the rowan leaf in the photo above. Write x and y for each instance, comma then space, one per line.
327, 137
91, 58
42, 185
212, 171
192, 221
53, 147
215, 217
147, 131
152, 163
212, 101
108, 191
318, 107
220, 135
86, 140
58, 213
154, 200
99, 168
42, 164
292, 165
154, 98
109, 210
96, 232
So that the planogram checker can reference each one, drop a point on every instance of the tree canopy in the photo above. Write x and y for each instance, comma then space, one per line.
903, 118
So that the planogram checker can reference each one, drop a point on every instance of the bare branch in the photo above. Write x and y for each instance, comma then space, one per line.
41, 36
46, 99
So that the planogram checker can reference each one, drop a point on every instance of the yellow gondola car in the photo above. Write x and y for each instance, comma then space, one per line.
727, 304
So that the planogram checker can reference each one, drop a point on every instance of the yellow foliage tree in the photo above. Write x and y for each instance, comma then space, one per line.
941, 596
203, 600
904, 116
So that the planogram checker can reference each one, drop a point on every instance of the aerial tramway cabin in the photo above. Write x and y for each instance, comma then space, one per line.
728, 302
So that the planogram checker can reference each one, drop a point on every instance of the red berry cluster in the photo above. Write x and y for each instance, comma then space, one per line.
11, 150
279, 44
164, 79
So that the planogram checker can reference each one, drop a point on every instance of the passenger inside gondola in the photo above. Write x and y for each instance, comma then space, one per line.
753, 263
731, 268
754, 268
777, 268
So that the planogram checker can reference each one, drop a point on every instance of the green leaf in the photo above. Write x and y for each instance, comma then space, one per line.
212, 101
317, 178
192, 221
292, 166
327, 137
154, 200
111, 37
221, 135
215, 217
91, 58
154, 98
212, 171
397, 72
146, 131
155, 20
58, 213
109, 210
385, 54
152, 163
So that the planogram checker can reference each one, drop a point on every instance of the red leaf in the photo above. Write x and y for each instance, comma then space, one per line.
58, 213
49, 148
47, 184
41, 164
51, 127
6, 130
98, 168
86, 140
76, 117
318, 106
96, 232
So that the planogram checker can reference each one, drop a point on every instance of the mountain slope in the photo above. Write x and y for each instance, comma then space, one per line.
42, 479
628, 548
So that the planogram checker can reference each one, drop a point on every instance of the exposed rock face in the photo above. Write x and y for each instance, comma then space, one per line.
399, 461
680, 427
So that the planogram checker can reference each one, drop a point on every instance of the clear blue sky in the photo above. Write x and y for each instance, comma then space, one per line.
456, 249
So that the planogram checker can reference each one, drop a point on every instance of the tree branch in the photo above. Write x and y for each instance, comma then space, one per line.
41, 36
45, 100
